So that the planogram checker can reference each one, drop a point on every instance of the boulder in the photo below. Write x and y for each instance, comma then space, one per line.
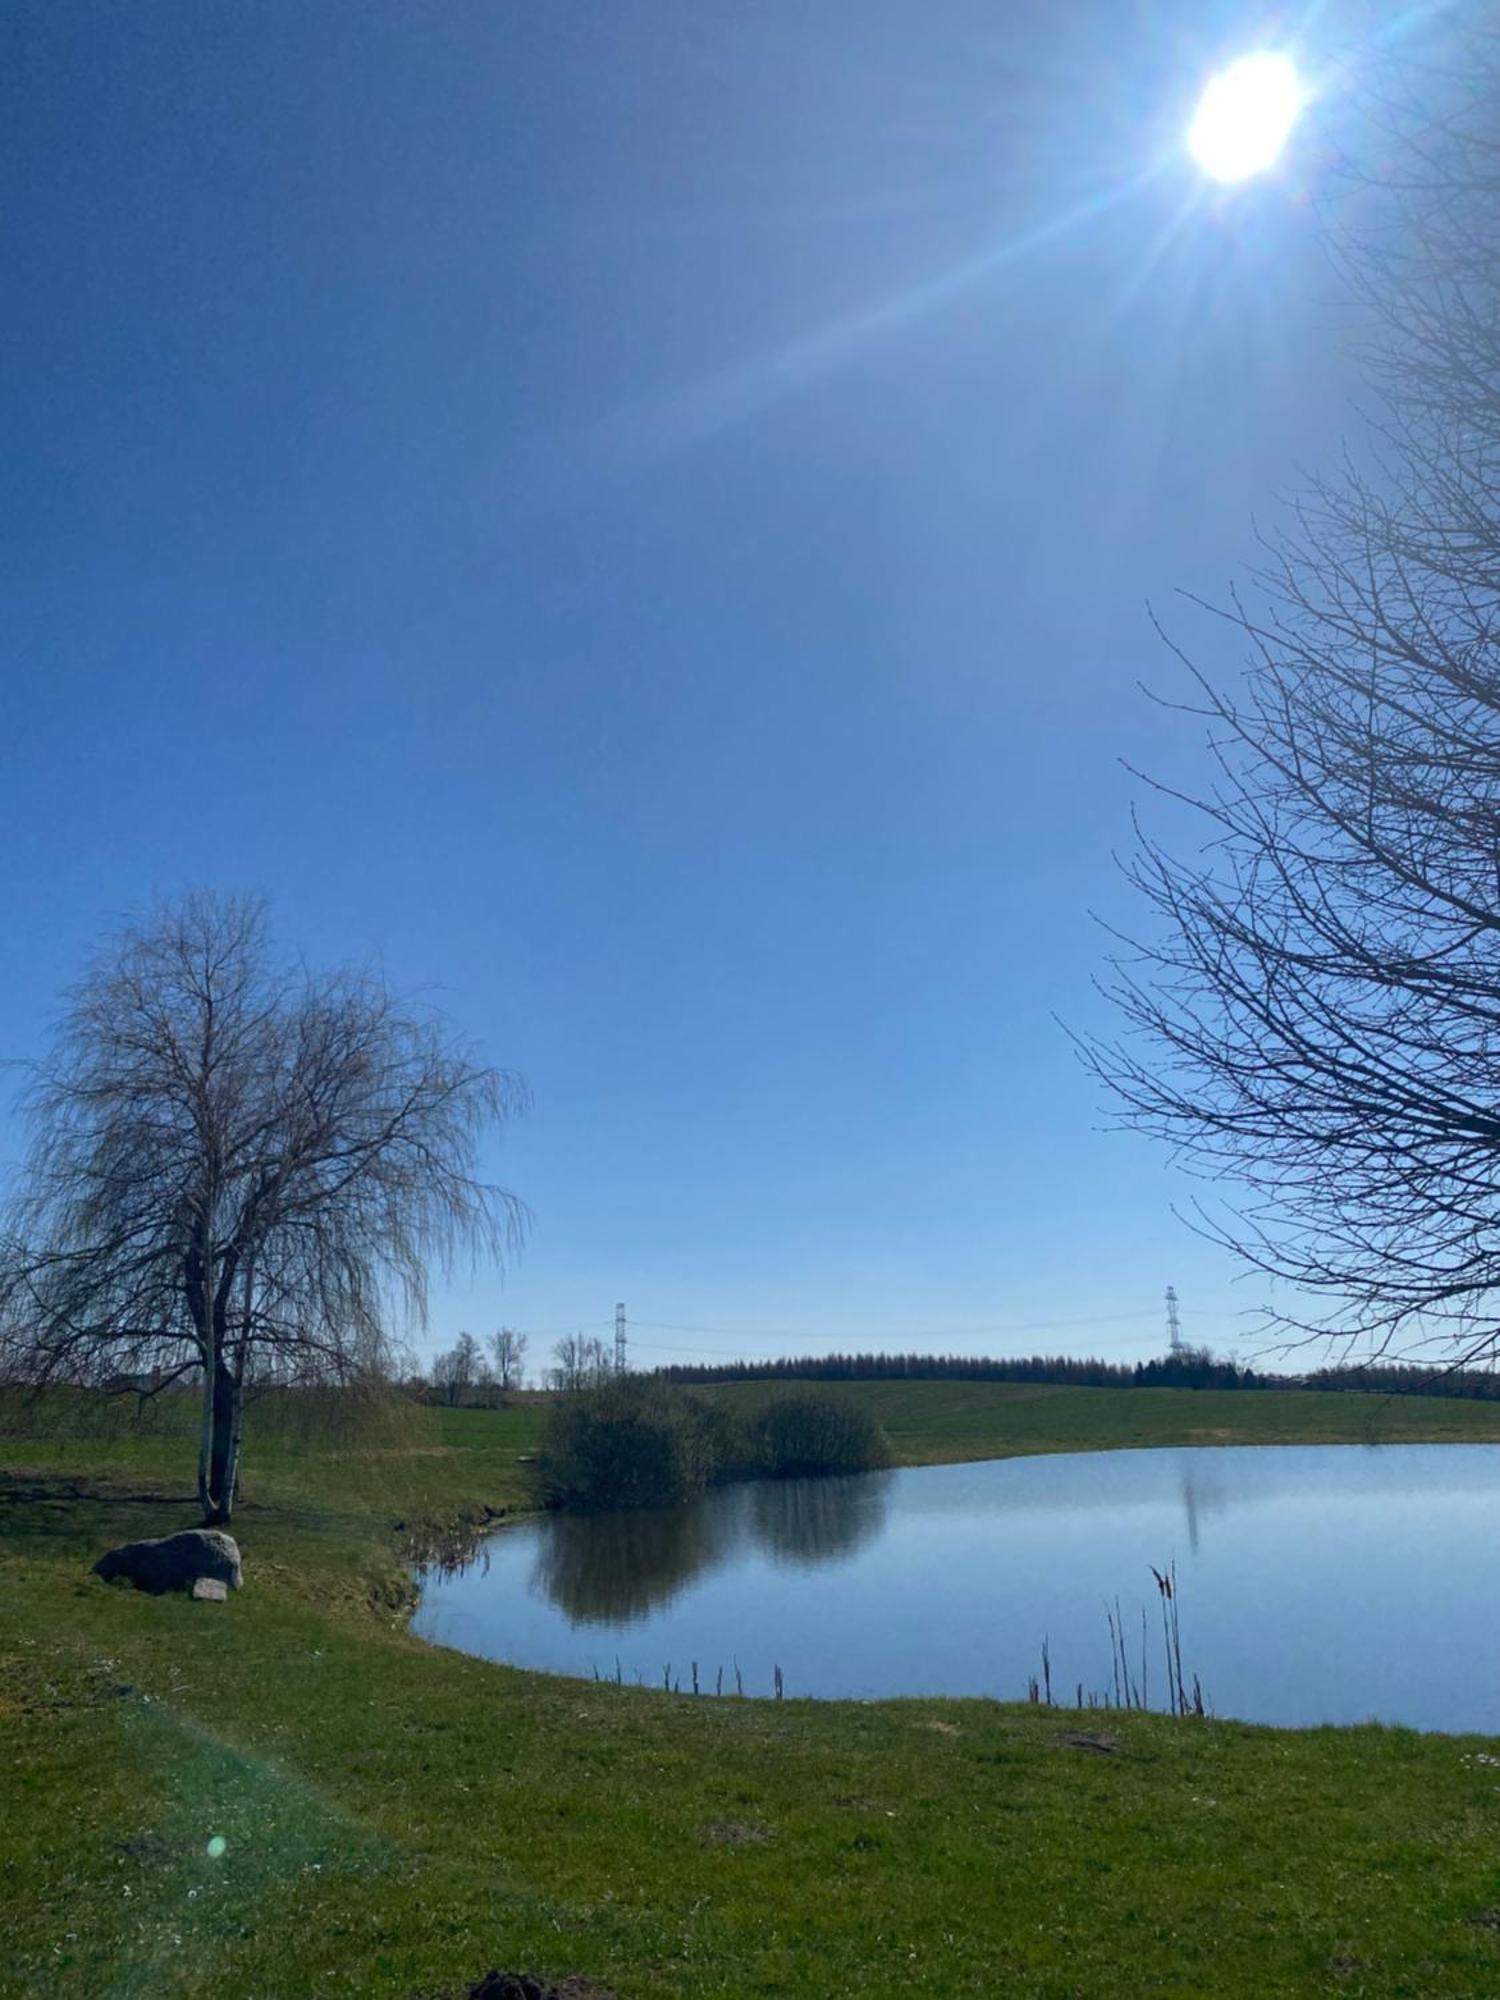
176, 1562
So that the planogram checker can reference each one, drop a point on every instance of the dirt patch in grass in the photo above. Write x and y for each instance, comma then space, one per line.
149, 1850
734, 1833
1088, 1739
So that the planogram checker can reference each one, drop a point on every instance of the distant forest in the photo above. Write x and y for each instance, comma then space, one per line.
1194, 1368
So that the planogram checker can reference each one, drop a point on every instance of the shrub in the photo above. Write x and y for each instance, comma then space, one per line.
641, 1442
814, 1431
633, 1443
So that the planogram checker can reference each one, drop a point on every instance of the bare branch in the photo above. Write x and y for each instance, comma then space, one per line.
1314, 1010
240, 1168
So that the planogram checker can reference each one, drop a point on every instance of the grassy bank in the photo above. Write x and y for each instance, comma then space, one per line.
931, 1423
398, 1818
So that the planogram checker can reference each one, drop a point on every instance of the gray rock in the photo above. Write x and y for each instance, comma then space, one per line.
176, 1562
208, 1590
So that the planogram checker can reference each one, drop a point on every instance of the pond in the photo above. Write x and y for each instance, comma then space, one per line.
1327, 1583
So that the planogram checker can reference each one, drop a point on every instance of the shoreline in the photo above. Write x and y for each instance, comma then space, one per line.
462, 1544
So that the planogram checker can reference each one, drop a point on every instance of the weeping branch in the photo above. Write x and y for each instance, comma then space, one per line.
240, 1172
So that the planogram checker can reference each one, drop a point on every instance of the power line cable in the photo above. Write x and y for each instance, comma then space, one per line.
751, 1334
562, 1332
884, 1342
813, 1351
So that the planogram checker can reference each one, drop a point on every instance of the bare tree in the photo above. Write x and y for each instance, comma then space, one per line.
509, 1349
486, 1381
456, 1371
1317, 1012
237, 1171
581, 1362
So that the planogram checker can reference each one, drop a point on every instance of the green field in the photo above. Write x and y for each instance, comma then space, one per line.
930, 1423
397, 1818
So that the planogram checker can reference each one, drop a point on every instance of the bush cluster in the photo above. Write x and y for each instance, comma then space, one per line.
642, 1442
813, 1431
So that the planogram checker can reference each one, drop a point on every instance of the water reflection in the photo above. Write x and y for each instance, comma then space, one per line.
606, 1569
811, 1521
1199, 1498
1320, 1583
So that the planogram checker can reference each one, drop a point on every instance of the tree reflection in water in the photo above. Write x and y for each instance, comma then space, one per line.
811, 1521
1200, 1498
610, 1569
617, 1568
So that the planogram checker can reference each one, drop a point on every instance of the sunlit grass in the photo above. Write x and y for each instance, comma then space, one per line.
396, 1818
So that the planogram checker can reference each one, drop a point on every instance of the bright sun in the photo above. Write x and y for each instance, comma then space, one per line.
1245, 115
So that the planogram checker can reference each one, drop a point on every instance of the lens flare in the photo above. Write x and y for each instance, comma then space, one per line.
1245, 116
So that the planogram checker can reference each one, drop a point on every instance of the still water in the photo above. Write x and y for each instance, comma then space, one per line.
1327, 1583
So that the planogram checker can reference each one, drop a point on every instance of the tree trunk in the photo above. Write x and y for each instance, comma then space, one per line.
206, 1434
200, 1303
218, 1470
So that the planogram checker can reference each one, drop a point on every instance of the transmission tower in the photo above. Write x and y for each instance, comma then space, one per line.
1174, 1324
619, 1340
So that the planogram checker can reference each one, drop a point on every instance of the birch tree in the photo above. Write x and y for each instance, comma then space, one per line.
239, 1170
509, 1350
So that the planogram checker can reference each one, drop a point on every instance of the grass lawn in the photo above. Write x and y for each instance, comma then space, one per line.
397, 1819
930, 1423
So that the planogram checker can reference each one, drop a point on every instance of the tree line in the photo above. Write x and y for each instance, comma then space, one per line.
475, 1372
1194, 1368
470, 1371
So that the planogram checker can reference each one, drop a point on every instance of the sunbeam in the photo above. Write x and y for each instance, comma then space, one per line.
686, 416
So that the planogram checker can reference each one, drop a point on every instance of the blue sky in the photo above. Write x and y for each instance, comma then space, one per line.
639, 518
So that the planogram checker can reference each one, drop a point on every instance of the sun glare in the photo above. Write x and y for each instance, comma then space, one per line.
1245, 116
